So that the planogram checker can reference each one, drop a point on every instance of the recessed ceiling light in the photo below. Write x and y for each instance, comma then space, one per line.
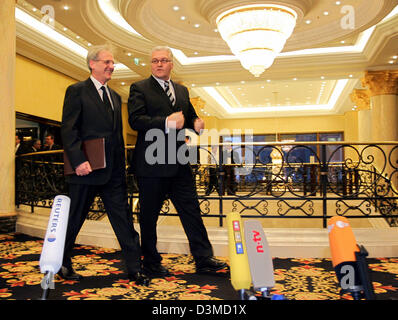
338, 3
176, 8
123, 83
183, 18
342, 42
242, 82
350, 75
294, 79
89, 44
215, 30
196, 53
65, 29
129, 54
193, 85
322, 77
326, 13
391, 61
143, 64
196, 25
34, 9
65, 7
395, 57
77, 37
217, 83
308, 21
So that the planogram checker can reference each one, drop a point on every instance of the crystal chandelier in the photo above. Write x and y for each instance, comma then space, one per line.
256, 34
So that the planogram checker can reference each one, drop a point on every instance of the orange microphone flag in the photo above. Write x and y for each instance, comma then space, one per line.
342, 240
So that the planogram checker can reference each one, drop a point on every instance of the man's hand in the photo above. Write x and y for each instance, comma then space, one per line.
176, 120
83, 169
198, 125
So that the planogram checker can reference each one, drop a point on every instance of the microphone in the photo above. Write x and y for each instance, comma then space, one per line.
239, 264
260, 260
349, 260
54, 242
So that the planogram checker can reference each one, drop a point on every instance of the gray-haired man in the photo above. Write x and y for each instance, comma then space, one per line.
93, 110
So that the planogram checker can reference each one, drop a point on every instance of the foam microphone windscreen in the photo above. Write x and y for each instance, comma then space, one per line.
342, 240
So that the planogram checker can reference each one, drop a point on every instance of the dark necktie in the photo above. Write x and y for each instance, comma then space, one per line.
168, 92
106, 101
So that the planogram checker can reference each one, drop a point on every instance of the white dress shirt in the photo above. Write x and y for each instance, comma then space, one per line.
98, 85
161, 82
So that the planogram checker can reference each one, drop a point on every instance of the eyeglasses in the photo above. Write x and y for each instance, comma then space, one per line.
162, 61
107, 62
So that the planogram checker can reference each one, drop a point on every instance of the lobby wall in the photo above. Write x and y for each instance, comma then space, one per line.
39, 90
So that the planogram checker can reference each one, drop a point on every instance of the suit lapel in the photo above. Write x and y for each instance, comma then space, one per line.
177, 93
92, 90
116, 108
161, 92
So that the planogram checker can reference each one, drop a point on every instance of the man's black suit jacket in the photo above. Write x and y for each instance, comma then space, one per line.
148, 108
86, 117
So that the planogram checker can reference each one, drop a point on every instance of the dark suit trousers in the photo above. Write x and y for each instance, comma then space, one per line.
114, 197
182, 192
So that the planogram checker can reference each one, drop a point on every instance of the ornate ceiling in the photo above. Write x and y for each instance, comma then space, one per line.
332, 45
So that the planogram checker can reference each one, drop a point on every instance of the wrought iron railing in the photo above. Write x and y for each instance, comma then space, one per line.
268, 180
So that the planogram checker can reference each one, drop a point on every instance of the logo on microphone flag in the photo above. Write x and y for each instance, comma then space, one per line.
51, 238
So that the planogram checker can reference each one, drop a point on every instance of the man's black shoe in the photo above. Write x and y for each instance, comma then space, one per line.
209, 265
68, 273
156, 270
139, 278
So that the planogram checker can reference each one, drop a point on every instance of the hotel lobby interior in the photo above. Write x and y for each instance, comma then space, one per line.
305, 92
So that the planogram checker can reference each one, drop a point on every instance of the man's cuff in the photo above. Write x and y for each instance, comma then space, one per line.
165, 126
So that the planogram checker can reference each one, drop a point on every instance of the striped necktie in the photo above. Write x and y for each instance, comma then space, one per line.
168, 92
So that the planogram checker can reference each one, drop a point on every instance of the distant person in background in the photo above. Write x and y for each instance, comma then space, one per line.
18, 146
49, 143
229, 158
36, 146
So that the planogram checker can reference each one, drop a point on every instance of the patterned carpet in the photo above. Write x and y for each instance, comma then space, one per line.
105, 279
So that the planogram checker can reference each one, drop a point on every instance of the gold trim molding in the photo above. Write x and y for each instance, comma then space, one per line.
381, 82
361, 98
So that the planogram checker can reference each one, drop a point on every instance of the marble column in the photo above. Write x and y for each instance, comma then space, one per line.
383, 89
361, 98
7, 108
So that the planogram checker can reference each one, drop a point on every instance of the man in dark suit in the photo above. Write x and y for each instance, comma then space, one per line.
49, 143
36, 146
18, 145
229, 158
93, 110
156, 106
